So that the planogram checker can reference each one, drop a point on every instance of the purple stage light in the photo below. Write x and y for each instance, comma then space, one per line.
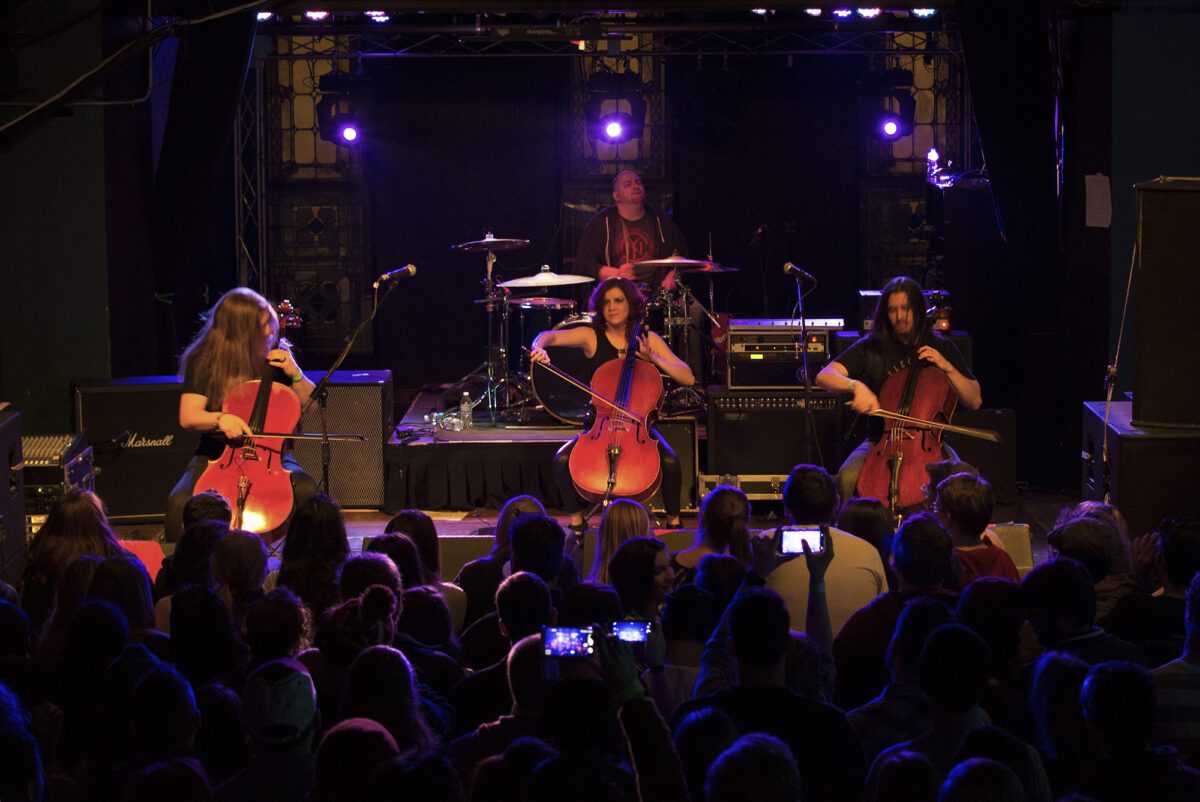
264, 16
377, 16
316, 16
348, 132
813, 12
869, 13
890, 128
842, 13
613, 129
924, 13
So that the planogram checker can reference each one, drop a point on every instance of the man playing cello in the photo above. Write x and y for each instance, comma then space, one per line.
864, 367
616, 305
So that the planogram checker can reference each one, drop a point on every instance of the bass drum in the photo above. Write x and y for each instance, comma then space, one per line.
563, 400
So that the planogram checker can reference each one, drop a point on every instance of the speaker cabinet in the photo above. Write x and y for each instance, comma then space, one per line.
135, 480
1151, 472
767, 432
681, 436
1166, 283
360, 402
12, 499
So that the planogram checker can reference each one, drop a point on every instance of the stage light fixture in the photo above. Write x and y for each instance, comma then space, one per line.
813, 12
842, 13
377, 16
924, 13
761, 12
317, 16
264, 16
869, 13
615, 111
889, 126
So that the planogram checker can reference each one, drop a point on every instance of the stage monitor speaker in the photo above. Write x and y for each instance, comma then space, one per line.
1151, 473
360, 402
1166, 283
765, 431
681, 436
12, 499
135, 479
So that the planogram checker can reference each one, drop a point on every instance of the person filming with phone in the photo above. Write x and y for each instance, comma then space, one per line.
810, 501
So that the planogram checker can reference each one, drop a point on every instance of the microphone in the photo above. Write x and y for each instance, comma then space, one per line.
790, 269
407, 270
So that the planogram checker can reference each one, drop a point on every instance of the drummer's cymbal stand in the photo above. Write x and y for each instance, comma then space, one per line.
679, 330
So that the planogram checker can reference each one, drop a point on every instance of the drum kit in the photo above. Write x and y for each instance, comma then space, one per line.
513, 386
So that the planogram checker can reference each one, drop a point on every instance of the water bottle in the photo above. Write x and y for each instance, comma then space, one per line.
464, 411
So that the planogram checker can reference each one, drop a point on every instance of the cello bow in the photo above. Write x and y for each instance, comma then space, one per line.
569, 379
968, 431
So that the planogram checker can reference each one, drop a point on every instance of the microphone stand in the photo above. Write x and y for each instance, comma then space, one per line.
811, 426
320, 393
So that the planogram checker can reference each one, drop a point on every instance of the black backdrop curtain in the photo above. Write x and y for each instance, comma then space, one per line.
193, 169
1007, 50
459, 147
756, 141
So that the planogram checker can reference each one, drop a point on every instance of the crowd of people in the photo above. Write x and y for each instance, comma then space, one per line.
906, 665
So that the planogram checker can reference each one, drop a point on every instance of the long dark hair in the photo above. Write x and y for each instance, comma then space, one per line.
881, 327
637, 304
76, 525
631, 571
313, 554
231, 347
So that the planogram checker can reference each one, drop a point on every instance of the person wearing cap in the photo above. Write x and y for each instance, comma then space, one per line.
280, 719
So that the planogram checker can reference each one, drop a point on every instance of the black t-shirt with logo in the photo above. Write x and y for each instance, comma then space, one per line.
874, 364
212, 444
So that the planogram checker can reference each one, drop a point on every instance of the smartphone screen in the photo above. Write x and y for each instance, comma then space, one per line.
792, 538
631, 631
567, 642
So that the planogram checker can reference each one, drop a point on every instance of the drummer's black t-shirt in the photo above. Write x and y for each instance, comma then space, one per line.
873, 366
212, 444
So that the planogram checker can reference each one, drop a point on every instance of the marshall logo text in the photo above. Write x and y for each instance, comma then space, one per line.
138, 441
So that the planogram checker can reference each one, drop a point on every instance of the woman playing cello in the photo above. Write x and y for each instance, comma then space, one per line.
616, 305
892, 346
240, 337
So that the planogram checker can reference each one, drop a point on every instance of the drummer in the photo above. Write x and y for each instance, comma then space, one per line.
616, 305
628, 232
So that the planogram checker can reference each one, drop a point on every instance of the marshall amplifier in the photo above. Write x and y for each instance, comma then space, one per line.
766, 353
139, 449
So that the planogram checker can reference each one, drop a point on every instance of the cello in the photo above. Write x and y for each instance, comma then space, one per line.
249, 474
618, 456
917, 404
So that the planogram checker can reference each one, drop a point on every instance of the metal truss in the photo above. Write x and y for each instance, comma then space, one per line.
248, 182
463, 41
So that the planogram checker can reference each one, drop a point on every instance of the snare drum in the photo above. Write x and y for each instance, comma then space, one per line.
561, 399
534, 315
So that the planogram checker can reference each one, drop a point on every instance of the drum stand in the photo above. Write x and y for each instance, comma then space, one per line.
494, 369
679, 333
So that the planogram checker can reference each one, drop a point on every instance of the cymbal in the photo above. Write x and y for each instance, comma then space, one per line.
672, 261
490, 243
546, 278
541, 302
709, 268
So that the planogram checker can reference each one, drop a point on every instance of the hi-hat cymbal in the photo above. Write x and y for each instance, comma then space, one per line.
708, 268
546, 278
679, 262
490, 243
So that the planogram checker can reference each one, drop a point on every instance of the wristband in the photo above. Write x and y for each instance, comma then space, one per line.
299, 377
217, 422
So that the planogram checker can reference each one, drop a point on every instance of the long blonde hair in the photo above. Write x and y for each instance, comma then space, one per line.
231, 347
624, 519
